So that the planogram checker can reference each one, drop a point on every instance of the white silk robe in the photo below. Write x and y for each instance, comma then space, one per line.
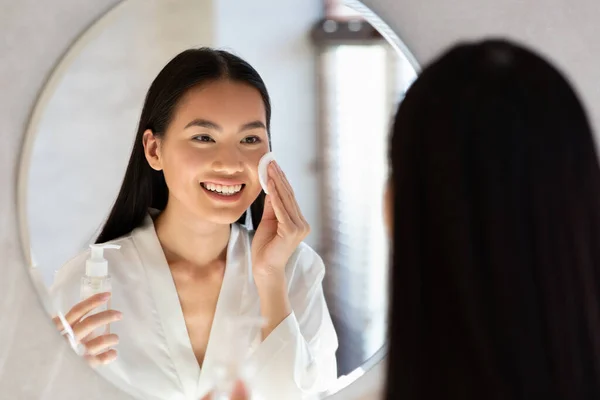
155, 356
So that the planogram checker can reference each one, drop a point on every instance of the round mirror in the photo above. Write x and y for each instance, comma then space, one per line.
159, 253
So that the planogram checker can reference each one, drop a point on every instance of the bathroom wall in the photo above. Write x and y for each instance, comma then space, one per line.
35, 363
565, 31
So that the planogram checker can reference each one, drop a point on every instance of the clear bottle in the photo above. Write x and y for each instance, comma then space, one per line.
97, 280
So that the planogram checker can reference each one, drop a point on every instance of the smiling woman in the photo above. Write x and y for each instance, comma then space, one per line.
214, 94
197, 269
213, 143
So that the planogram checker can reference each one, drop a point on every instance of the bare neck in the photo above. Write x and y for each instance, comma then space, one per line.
186, 238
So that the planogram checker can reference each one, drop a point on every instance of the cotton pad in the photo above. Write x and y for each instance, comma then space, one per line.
263, 175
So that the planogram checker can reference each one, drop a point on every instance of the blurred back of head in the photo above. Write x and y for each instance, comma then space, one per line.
496, 266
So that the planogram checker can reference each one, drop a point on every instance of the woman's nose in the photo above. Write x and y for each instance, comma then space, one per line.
228, 162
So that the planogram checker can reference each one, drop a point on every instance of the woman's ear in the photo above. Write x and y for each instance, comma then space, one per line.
152, 150
388, 207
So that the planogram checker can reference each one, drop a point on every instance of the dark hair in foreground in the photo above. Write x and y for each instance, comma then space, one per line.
145, 188
496, 265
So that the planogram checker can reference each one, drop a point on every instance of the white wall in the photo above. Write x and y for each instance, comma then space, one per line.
565, 31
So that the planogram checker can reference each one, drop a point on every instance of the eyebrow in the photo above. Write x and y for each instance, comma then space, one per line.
203, 123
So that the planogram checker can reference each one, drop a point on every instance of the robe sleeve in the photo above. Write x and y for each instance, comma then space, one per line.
298, 356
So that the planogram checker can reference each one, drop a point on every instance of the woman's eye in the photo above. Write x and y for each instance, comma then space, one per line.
251, 140
203, 138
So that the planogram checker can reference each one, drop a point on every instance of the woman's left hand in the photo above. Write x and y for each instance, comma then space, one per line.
281, 228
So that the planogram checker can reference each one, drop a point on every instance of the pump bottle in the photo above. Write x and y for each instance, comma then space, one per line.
97, 280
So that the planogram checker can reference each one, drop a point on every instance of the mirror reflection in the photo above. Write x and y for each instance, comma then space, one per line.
175, 260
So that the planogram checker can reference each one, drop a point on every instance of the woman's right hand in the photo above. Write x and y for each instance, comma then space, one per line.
239, 393
98, 349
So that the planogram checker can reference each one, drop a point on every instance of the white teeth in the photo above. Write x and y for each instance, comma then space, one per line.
227, 190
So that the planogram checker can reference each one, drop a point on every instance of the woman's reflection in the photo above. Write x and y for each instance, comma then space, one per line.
188, 265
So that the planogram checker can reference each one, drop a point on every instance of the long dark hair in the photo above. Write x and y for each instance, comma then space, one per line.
145, 188
496, 252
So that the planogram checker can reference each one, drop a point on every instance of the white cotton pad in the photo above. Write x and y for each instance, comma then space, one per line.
263, 175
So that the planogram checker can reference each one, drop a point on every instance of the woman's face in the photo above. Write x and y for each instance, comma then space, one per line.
210, 152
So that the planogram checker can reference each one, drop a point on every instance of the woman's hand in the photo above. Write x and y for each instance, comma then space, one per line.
281, 228
239, 393
98, 349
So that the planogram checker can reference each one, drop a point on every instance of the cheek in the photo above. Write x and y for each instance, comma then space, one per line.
252, 159
181, 162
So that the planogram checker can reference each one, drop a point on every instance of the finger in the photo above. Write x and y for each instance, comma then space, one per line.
293, 206
58, 324
302, 227
101, 344
280, 211
102, 359
277, 173
301, 221
239, 392
80, 309
268, 212
287, 197
290, 191
86, 326
284, 178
